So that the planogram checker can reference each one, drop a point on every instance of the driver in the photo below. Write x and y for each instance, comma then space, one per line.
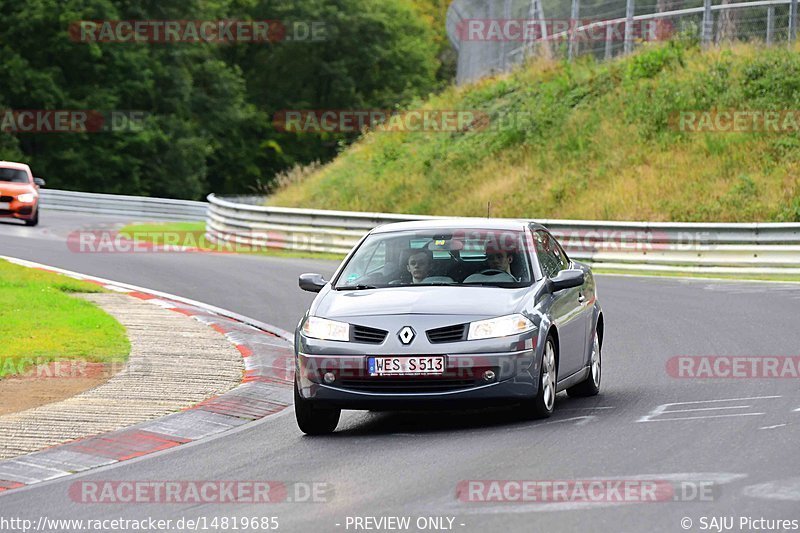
497, 259
420, 264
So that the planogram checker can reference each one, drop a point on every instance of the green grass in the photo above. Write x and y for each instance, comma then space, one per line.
701, 275
41, 322
192, 234
587, 141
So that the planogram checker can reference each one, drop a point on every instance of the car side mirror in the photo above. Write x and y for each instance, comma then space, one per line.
39, 182
312, 282
567, 279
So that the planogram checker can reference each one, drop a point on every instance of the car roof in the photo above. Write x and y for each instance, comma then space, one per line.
17, 166
499, 224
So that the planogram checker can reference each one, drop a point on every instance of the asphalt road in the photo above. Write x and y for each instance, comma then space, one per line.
739, 435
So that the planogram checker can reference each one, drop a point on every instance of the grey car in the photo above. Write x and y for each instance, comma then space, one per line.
448, 313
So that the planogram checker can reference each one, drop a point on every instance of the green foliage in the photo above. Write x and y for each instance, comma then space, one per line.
40, 321
587, 141
210, 105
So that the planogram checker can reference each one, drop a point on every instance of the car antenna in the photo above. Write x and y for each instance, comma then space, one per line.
488, 209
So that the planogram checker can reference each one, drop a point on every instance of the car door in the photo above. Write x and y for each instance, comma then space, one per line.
567, 309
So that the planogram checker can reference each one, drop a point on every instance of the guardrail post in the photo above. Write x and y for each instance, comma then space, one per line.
609, 35
629, 12
573, 25
793, 21
708, 22
770, 24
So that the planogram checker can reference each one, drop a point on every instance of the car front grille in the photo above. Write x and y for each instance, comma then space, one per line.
447, 334
368, 335
6, 199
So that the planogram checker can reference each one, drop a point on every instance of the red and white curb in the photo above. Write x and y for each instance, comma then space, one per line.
266, 389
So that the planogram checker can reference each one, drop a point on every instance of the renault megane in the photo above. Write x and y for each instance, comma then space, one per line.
444, 313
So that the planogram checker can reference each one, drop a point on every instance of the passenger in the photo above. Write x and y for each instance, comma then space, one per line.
420, 265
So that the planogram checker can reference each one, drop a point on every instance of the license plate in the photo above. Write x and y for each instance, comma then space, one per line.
5, 205
406, 366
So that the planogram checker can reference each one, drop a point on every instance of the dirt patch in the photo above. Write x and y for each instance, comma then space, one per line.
53, 382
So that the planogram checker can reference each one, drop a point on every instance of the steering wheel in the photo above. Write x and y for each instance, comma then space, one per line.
493, 272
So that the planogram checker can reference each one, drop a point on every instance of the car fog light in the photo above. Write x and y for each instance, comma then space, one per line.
329, 377
488, 375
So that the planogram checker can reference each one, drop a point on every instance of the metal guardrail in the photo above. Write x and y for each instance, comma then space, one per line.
704, 247
128, 206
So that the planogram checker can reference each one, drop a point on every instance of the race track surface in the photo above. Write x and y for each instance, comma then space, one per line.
738, 436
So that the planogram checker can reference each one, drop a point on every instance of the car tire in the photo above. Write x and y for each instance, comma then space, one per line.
591, 385
311, 419
543, 404
34, 221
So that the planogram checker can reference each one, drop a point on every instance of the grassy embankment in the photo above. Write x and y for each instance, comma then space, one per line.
40, 322
587, 141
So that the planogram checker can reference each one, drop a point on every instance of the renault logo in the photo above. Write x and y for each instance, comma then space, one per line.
406, 335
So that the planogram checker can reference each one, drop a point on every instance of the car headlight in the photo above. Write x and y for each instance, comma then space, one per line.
499, 327
26, 198
327, 330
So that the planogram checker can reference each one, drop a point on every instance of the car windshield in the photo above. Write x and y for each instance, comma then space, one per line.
13, 175
450, 257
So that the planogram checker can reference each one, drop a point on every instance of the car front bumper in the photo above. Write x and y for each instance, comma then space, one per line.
463, 382
19, 210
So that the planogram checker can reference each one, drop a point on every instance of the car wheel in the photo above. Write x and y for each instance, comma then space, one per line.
542, 405
591, 385
312, 420
34, 221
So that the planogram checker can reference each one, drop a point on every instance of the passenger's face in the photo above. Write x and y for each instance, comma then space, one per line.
419, 266
499, 261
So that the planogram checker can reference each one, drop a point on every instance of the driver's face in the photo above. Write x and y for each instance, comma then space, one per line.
499, 261
419, 266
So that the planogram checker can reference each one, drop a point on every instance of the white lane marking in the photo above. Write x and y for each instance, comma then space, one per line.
710, 409
773, 427
588, 408
664, 409
784, 489
701, 417
161, 303
579, 420
115, 288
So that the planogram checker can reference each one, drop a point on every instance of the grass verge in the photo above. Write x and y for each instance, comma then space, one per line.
40, 322
699, 275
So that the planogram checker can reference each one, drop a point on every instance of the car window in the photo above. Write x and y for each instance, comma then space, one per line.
13, 175
551, 256
455, 257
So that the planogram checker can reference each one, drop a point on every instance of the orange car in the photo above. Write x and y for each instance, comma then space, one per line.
19, 192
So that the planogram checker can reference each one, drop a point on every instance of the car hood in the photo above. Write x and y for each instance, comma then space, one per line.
12, 189
473, 301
